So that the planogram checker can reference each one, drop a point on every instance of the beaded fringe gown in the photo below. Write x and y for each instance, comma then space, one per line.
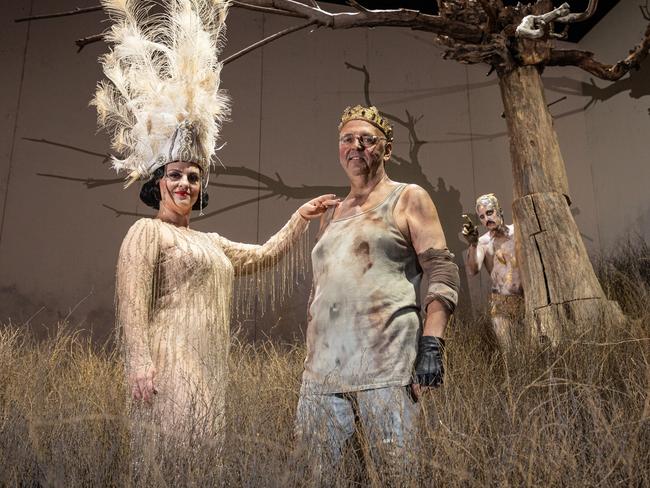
174, 292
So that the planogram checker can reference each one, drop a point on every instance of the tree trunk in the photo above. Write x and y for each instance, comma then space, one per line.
560, 286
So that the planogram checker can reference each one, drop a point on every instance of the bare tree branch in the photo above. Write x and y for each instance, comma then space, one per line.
75, 11
366, 92
561, 99
612, 72
84, 41
274, 185
358, 6
495, 53
89, 183
645, 10
233, 206
96, 8
537, 26
265, 10
106, 156
267, 40
460, 31
366, 80
492, 14
414, 19
237, 187
120, 213
81, 43
582, 16
564, 34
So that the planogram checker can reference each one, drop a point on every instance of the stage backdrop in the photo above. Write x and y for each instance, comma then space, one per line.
64, 213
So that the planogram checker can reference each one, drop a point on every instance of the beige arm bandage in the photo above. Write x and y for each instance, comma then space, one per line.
442, 273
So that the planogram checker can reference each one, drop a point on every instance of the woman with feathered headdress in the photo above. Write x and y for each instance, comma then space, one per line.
174, 285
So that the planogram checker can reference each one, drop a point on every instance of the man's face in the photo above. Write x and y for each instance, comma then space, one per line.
362, 148
489, 216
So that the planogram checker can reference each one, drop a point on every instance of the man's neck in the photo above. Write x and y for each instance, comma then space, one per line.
362, 186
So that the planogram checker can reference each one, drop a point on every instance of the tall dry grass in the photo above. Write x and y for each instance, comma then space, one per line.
578, 415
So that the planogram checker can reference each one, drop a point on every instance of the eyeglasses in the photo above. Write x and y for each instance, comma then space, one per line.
366, 140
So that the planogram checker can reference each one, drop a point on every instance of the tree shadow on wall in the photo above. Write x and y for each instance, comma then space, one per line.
636, 85
408, 169
402, 167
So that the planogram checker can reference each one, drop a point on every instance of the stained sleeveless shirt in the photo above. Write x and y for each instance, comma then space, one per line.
364, 317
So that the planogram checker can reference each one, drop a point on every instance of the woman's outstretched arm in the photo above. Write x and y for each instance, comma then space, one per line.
248, 258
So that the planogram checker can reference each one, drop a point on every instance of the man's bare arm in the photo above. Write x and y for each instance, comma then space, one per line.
428, 239
422, 220
423, 227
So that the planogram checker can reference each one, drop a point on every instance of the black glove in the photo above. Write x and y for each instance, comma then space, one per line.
429, 370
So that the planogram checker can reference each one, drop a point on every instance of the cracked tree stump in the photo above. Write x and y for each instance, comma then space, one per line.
560, 286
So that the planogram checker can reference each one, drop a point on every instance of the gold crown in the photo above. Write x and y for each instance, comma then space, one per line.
369, 114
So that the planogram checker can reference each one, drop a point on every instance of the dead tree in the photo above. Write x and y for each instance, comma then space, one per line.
515, 41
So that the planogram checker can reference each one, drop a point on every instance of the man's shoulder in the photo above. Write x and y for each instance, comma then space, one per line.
412, 194
407, 188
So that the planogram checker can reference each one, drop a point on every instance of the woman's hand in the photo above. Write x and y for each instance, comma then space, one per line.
318, 206
142, 385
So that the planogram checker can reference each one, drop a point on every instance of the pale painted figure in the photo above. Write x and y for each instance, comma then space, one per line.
496, 250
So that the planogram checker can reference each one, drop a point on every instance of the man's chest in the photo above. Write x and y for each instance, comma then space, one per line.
501, 250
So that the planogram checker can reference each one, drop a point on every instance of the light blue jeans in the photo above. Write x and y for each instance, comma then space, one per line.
384, 418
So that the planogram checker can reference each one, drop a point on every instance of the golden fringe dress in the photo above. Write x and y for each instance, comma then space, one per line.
174, 291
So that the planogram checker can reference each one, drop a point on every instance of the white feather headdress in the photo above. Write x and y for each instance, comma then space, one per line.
162, 100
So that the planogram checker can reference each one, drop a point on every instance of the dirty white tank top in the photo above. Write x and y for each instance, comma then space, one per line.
364, 318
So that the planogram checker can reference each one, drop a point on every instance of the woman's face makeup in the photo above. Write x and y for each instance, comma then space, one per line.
180, 186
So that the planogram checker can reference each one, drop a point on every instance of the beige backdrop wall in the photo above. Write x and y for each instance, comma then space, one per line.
60, 237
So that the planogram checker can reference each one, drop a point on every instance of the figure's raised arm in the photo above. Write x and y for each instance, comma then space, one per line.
475, 255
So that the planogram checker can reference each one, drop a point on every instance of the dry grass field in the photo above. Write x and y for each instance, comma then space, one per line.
576, 415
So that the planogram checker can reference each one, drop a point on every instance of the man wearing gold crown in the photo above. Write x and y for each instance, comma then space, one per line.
496, 249
372, 343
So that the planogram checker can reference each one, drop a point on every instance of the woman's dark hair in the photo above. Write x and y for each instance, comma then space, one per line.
150, 192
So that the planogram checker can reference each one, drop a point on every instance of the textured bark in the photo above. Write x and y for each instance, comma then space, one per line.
537, 162
558, 278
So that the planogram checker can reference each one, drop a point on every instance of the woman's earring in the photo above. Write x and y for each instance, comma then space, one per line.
201, 200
